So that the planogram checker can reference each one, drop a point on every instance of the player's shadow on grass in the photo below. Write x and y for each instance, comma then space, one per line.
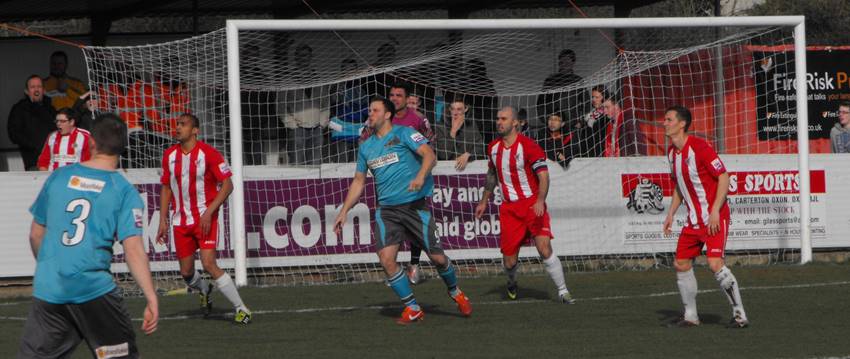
522, 293
667, 316
393, 309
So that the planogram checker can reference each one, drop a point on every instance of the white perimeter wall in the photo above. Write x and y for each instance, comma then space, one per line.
589, 214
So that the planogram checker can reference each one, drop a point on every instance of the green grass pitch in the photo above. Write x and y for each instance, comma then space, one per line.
795, 311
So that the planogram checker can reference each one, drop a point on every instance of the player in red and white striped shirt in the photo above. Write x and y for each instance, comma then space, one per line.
195, 183
702, 183
519, 164
67, 145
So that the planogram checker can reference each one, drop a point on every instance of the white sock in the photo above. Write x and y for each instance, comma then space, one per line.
228, 288
198, 283
729, 286
556, 272
511, 272
688, 290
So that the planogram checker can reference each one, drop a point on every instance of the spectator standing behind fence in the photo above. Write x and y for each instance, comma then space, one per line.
31, 121
259, 112
574, 101
349, 112
83, 109
65, 146
305, 112
62, 88
840, 134
623, 136
459, 139
482, 107
597, 95
589, 130
556, 140
524, 127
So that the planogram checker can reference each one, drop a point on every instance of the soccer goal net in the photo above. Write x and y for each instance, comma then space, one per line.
592, 93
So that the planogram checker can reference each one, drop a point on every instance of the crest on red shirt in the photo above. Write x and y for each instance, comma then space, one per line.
717, 164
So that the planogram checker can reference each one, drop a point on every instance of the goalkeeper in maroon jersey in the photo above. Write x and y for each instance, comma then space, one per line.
702, 184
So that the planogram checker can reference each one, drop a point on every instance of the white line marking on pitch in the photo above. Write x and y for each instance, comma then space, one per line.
501, 302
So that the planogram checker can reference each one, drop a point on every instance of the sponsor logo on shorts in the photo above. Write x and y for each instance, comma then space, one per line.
384, 160
224, 168
113, 351
86, 184
417, 137
212, 241
716, 250
137, 217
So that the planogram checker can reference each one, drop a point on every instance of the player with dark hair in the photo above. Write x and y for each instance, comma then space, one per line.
195, 184
702, 184
82, 209
400, 161
68, 144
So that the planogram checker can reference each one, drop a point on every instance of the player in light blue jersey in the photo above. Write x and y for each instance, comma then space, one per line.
81, 211
400, 162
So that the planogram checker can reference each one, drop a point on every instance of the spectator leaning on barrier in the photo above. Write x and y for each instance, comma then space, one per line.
556, 140
840, 134
459, 139
31, 121
62, 88
306, 112
623, 136
67, 145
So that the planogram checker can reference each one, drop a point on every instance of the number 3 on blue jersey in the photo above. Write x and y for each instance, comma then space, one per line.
79, 222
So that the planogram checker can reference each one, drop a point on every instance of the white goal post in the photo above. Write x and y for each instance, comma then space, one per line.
237, 200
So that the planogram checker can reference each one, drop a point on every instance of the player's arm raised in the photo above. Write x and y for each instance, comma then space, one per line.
206, 218
677, 201
36, 236
429, 160
354, 192
719, 199
164, 201
137, 262
489, 186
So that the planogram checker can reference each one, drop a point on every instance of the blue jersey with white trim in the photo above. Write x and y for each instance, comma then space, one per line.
84, 211
393, 162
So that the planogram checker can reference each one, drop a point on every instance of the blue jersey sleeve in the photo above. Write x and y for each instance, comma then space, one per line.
412, 139
39, 207
130, 215
361, 160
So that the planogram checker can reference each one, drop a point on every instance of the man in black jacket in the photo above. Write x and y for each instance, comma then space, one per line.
31, 121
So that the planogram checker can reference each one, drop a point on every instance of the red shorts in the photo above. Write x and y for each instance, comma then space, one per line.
188, 239
518, 221
691, 242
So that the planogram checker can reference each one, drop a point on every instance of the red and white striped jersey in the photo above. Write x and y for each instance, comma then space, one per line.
61, 150
194, 179
695, 170
517, 167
